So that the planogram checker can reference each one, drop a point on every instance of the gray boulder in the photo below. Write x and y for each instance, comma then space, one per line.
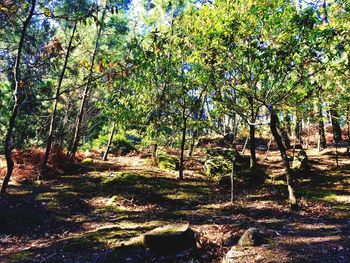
170, 239
252, 237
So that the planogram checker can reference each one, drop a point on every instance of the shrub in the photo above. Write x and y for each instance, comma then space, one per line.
28, 163
122, 144
166, 162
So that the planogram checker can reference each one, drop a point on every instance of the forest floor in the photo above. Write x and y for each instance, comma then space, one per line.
98, 213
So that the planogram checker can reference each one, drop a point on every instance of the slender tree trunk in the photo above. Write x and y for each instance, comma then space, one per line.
321, 131
325, 11
155, 151
253, 160
17, 102
298, 129
245, 145
183, 141
288, 124
64, 123
268, 148
289, 172
348, 132
232, 180
285, 138
335, 125
193, 141
76, 137
54, 110
109, 143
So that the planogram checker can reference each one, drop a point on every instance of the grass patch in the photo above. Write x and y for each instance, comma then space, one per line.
318, 194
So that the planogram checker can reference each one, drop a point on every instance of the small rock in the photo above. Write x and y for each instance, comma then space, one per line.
233, 255
251, 237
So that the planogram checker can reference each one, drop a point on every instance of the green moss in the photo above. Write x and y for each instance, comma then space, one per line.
87, 160
318, 194
181, 195
21, 256
342, 207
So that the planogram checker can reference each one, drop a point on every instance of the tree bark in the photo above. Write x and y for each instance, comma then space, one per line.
17, 102
54, 110
62, 134
348, 129
289, 172
183, 141
76, 137
335, 125
288, 124
298, 129
325, 11
285, 138
321, 131
155, 151
193, 141
109, 143
253, 160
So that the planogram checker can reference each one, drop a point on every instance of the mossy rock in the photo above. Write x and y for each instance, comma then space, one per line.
169, 239
252, 237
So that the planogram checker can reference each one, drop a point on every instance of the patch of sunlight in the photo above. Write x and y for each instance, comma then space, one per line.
119, 177
315, 240
105, 237
182, 196
275, 181
182, 213
80, 218
318, 194
329, 197
299, 225
145, 225
45, 196
343, 199
342, 207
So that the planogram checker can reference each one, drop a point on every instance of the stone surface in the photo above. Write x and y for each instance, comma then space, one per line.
251, 237
233, 256
170, 239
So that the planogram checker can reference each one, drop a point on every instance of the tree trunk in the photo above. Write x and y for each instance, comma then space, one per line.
64, 123
288, 124
325, 11
348, 131
183, 141
285, 138
289, 172
155, 151
253, 160
193, 141
76, 137
298, 129
321, 131
54, 110
17, 102
335, 125
109, 143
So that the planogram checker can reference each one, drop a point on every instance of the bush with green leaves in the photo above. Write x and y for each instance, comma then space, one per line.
122, 143
166, 162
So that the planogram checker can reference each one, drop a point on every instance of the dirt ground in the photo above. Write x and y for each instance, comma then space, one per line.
98, 212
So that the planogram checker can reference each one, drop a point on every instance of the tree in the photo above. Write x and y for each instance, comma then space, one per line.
17, 96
